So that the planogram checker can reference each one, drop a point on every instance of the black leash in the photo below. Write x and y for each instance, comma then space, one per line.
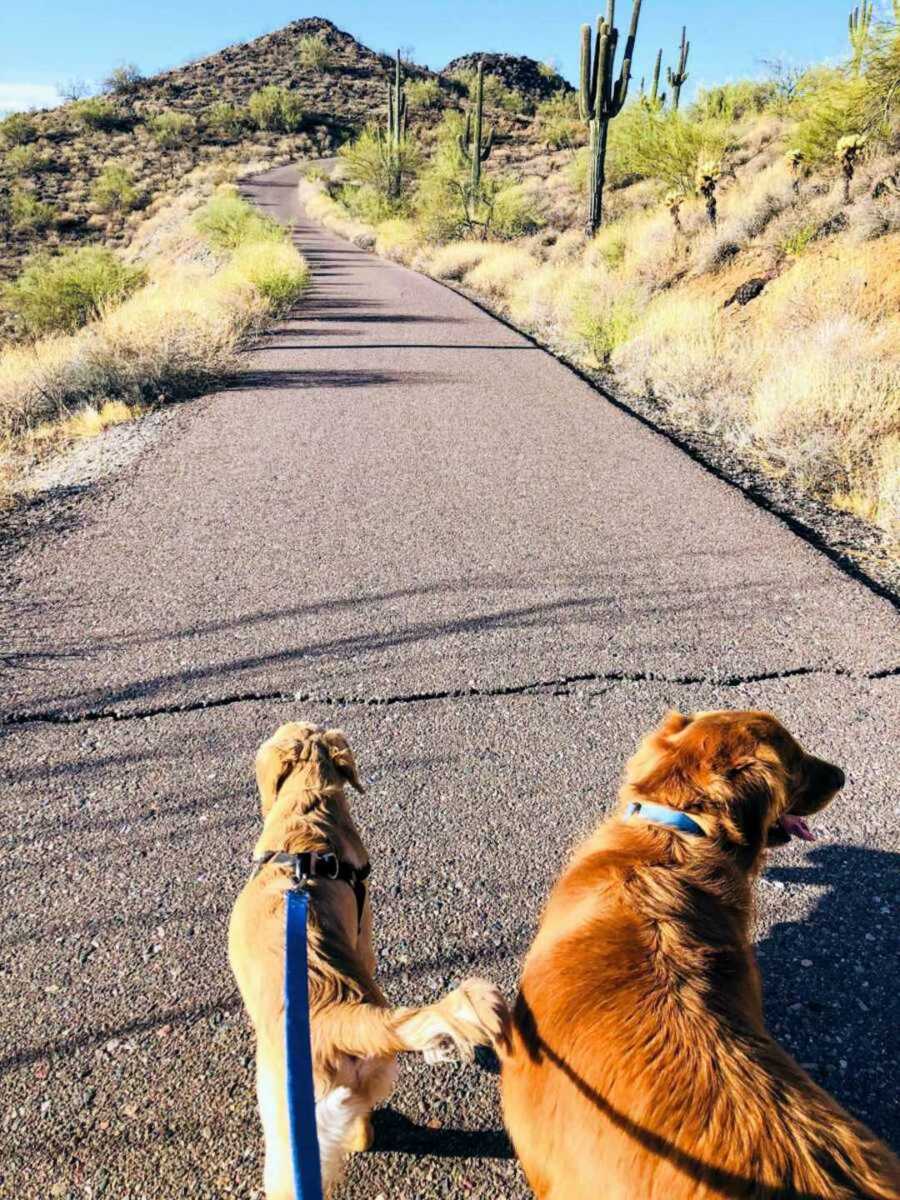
313, 864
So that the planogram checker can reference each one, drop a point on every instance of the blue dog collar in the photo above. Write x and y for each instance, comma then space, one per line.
658, 814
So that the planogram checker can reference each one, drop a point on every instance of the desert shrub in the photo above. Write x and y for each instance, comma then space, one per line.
796, 241
96, 112
832, 106
496, 94
170, 129
733, 101
175, 337
514, 211
123, 80
664, 145
27, 213
424, 93
440, 207
62, 293
398, 239
114, 190
370, 162
601, 323
226, 222
276, 109
224, 118
456, 260
274, 268
17, 129
559, 123
366, 203
314, 53
27, 160
500, 268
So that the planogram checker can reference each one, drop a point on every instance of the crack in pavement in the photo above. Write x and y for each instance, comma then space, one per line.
562, 686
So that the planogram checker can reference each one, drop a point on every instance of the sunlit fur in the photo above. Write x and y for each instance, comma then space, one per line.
301, 773
640, 1066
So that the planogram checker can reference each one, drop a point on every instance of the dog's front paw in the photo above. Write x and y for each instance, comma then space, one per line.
481, 1003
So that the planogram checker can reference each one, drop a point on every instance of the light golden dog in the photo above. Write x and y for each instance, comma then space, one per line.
301, 773
640, 1066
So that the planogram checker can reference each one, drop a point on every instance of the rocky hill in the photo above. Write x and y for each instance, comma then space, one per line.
89, 170
533, 80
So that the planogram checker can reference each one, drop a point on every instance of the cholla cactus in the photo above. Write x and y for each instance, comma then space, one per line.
797, 163
678, 78
848, 152
860, 26
708, 174
673, 203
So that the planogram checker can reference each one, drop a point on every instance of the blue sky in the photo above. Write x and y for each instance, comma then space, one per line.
48, 41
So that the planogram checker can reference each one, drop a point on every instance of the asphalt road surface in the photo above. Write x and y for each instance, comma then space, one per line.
405, 520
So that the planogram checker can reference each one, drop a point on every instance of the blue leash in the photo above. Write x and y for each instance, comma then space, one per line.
298, 1054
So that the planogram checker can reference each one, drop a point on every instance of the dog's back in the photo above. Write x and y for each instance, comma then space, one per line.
639, 1063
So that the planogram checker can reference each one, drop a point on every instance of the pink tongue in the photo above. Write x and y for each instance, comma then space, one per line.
798, 828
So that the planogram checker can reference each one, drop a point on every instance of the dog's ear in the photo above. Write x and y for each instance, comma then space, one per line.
673, 722
276, 758
342, 757
756, 789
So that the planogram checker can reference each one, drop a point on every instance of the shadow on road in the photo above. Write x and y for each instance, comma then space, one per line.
395, 1133
842, 1006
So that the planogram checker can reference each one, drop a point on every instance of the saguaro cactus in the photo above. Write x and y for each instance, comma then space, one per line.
678, 78
656, 100
396, 130
860, 24
601, 99
476, 149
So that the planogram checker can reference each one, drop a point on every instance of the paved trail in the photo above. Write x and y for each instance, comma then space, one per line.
399, 501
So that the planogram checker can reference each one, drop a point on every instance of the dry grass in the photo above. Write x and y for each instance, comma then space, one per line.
174, 337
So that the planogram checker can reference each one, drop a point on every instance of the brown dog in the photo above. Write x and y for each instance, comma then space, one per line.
301, 772
640, 1067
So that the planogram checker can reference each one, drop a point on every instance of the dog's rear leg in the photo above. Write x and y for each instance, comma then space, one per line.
271, 1094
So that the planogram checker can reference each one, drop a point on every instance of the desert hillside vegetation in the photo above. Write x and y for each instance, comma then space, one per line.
744, 275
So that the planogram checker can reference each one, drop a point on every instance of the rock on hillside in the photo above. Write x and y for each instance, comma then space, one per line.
522, 74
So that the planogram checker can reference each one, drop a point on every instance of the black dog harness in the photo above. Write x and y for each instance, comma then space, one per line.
313, 864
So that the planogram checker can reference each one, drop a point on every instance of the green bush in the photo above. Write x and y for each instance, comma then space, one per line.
440, 208
275, 109
496, 93
96, 112
114, 190
27, 213
514, 212
732, 101
559, 121
26, 160
170, 129
17, 129
371, 163
424, 93
225, 119
797, 241
60, 294
663, 145
227, 221
832, 105
314, 53
123, 80
603, 327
